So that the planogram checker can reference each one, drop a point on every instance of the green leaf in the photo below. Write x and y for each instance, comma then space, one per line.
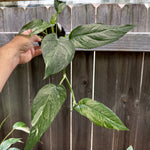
45, 107
40, 28
59, 6
31, 25
6, 144
57, 53
99, 114
21, 126
95, 35
13, 148
130, 148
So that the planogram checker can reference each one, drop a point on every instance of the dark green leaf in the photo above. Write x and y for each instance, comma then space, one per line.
13, 148
6, 144
130, 148
57, 53
45, 107
31, 25
99, 114
95, 35
21, 126
59, 6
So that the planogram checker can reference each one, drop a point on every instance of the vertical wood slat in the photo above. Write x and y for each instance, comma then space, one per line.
133, 14
107, 14
143, 129
1, 20
81, 126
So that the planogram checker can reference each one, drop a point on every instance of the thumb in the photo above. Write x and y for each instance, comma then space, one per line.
35, 38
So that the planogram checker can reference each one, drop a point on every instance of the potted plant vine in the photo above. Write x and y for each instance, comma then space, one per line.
58, 50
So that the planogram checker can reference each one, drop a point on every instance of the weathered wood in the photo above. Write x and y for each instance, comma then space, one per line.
135, 14
51, 12
82, 15
109, 14
65, 19
131, 42
143, 131
82, 86
1, 20
15, 19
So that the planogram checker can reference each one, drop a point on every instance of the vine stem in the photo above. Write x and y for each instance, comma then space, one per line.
71, 90
7, 135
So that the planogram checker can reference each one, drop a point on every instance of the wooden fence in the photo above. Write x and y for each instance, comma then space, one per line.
117, 75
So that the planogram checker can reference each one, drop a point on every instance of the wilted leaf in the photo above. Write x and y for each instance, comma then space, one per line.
59, 6
7, 143
95, 35
45, 107
57, 53
21, 126
99, 114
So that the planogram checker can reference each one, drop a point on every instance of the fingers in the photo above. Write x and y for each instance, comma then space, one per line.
35, 38
27, 32
37, 51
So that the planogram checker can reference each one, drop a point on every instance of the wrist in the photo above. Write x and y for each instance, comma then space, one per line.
10, 54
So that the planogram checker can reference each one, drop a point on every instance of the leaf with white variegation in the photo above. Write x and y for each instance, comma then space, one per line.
99, 114
13, 148
31, 25
57, 53
21, 126
95, 35
45, 107
130, 148
7, 143
59, 5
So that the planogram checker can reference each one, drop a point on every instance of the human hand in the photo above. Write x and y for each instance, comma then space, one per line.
25, 50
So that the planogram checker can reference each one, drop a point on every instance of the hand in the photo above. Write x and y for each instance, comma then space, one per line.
18, 51
25, 50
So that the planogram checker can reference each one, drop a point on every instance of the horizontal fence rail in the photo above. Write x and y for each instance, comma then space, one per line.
117, 74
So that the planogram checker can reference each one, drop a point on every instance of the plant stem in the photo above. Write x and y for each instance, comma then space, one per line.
52, 29
71, 90
7, 135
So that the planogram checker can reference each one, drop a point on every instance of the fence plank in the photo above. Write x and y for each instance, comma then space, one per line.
1, 20
143, 134
135, 14
82, 127
82, 86
15, 19
82, 15
109, 14
65, 19
138, 16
